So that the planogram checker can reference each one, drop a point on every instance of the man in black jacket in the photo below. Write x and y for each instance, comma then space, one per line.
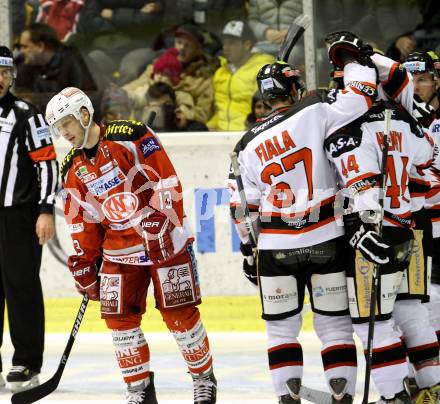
49, 66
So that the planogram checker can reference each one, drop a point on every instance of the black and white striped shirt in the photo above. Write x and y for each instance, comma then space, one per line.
28, 166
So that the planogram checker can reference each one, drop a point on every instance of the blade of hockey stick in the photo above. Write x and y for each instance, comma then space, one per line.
315, 396
43, 390
296, 29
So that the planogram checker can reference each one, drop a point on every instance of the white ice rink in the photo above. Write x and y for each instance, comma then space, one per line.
92, 375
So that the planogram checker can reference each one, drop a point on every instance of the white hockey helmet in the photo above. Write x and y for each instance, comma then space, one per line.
69, 101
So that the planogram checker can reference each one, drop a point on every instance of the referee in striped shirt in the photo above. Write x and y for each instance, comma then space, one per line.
28, 182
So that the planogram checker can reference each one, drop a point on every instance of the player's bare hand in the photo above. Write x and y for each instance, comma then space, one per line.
45, 228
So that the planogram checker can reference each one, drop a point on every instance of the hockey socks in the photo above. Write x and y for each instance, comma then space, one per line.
284, 352
389, 367
190, 335
132, 354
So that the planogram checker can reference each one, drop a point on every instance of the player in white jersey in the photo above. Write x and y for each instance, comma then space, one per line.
425, 68
290, 186
356, 152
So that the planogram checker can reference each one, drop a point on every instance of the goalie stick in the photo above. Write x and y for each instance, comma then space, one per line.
296, 29
43, 390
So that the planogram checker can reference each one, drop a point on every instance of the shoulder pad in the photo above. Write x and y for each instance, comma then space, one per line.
67, 162
124, 130
345, 139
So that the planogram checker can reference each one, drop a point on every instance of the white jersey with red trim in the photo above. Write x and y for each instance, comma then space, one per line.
395, 82
432, 202
356, 152
286, 175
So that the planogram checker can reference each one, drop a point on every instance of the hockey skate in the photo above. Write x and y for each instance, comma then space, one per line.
429, 395
338, 388
205, 388
293, 386
22, 378
400, 398
142, 393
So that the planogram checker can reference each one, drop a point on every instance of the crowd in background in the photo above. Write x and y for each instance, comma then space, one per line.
192, 61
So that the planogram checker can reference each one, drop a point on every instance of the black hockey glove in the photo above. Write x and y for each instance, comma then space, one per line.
249, 264
362, 236
345, 47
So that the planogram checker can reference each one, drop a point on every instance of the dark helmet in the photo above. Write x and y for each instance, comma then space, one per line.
7, 59
276, 80
422, 62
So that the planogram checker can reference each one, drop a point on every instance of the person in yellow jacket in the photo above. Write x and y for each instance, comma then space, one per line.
234, 80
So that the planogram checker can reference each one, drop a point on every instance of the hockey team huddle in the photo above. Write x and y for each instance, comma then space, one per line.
312, 176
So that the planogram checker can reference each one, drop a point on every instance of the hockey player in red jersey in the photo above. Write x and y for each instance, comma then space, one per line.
123, 203
356, 153
290, 188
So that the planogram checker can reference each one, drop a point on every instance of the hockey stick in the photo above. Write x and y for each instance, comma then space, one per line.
376, 268
247, 216
296, 29
151, 118
43, 390
318, 396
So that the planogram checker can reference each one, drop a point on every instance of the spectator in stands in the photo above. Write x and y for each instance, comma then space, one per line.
234, 80
18, 17
270, 20
118, 34
115, 104
258, 110
162, 99
48, 65
195, 79
206, 14
61, 15
392, 18
425, 35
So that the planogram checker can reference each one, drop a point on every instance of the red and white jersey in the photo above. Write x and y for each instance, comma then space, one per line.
286, 175
107, 197
432, 202
356, 152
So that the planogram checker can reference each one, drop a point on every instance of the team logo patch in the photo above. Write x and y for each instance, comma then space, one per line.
107, 182
76, 228
149, 146
43, 133
81, 171
106, 168
110, 293
88, 177
177, 285
120, 206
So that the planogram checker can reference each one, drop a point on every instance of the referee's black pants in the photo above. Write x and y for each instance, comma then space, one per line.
20, 286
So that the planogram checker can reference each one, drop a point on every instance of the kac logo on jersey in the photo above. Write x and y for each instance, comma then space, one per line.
149, 146
120, 206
